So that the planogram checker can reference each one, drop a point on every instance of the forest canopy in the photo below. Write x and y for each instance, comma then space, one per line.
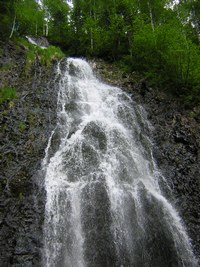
158, 38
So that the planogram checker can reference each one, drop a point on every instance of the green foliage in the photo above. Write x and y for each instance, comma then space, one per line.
29, 17
46, 56
22, 126
7, 94
142, 36
18, 17
6, 67
6, 16
57, 16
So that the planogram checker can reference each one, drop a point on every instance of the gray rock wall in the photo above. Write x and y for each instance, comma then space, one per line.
176, 150
26, 123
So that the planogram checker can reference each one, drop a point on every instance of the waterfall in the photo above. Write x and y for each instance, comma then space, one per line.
104, 203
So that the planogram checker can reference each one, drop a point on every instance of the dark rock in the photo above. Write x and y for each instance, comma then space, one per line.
26, 122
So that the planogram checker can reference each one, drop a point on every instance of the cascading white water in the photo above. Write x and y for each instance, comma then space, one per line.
104, 206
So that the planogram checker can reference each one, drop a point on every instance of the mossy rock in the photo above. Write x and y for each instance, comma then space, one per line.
7, 93
19, 184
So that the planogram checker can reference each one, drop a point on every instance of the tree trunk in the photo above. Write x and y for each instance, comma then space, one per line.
13, 27
151, 17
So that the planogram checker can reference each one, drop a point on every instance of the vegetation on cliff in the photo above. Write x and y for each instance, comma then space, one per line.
159, 39
27, 115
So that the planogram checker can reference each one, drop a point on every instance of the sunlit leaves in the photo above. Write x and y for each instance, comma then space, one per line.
29, 17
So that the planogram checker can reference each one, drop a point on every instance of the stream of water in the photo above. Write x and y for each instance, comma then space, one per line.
104, 205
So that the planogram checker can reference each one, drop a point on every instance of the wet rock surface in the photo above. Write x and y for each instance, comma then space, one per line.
26, 123
176, 136
176, 151
41, 41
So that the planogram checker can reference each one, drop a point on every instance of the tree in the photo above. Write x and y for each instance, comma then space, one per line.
6, 17
57, 21
28, 16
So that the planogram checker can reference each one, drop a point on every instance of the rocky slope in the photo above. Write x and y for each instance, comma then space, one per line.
26, 123
176, 137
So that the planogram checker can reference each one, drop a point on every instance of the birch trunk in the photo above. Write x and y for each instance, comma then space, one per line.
13, 27
151, 17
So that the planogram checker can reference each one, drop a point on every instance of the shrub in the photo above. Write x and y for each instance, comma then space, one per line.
46, 56
7, 93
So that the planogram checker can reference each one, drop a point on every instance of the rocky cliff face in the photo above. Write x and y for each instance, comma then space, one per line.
176, 150
26, 123
176, 136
